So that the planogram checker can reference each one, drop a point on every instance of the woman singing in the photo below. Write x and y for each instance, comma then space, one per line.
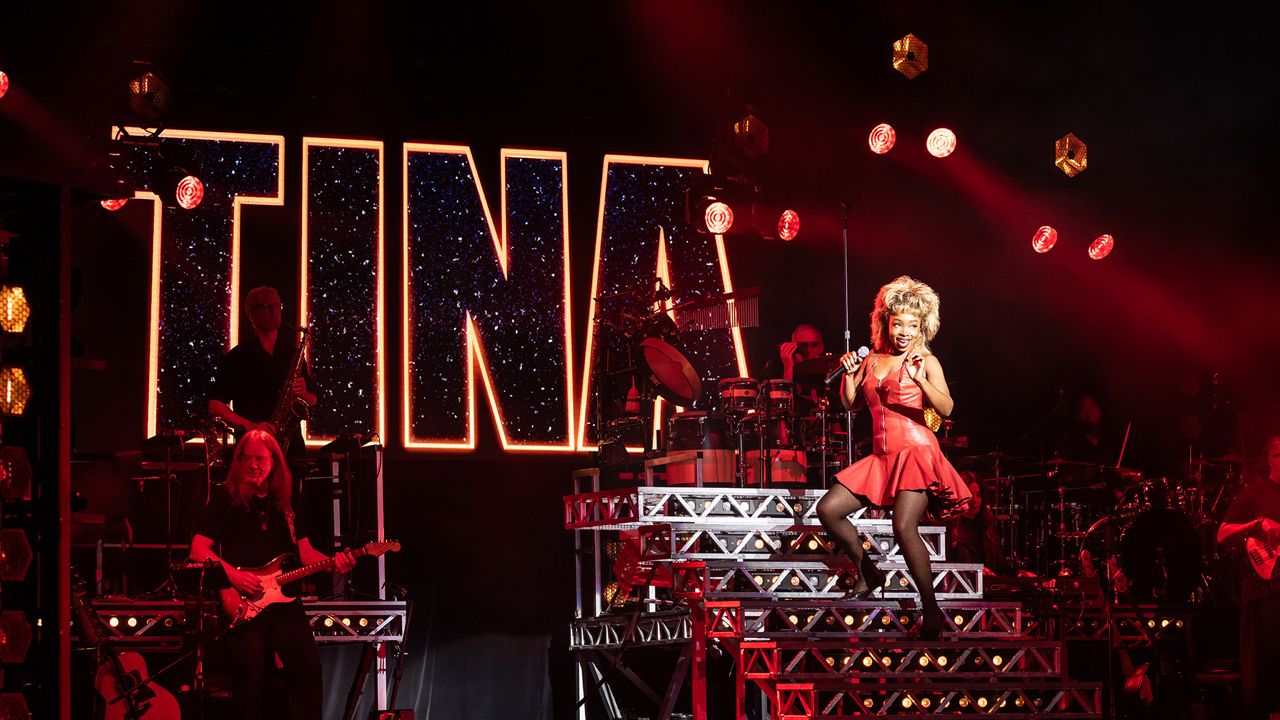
906, 468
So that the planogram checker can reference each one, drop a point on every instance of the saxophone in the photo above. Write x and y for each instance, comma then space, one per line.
290, 408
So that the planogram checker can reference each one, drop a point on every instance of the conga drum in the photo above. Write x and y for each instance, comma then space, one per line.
697, 431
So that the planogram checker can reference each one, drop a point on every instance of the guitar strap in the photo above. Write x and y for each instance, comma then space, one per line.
293, 534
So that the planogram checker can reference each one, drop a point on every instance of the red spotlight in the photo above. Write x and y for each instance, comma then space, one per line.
788, 225
1102, 247
1044, 239
114, 204
881, 139
941, 143
190, 192
4, 83
719, 218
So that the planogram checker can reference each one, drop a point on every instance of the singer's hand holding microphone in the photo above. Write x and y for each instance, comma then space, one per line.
849, 364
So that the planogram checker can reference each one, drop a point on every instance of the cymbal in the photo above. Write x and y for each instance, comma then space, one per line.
988, 459
1122, 475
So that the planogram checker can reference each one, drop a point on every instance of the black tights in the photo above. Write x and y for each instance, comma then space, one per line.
908, 507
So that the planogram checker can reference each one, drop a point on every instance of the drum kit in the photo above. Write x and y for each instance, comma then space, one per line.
748, 432
761, 433
1150, 539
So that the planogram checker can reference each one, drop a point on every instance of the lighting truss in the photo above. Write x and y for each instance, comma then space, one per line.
860, 619
830, 700
740, 508
667, 627
719, 543
855, 662
723, 579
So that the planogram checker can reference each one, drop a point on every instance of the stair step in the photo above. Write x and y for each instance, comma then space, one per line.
855, 662
918, 697
861, 619
726, 579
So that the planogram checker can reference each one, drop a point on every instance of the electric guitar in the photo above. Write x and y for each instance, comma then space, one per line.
120, 671
241, 609
1262, 556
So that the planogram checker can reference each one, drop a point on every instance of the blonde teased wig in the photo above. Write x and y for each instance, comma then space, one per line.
905, 295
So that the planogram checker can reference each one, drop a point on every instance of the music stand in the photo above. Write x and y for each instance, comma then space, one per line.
198, 577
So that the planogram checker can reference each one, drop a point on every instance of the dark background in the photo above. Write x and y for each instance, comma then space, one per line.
1178, 107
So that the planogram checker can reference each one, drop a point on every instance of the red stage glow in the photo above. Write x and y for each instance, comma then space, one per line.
114, 204
941, 143
1102, 247
881, 139
1044, 239
190, 192
719, 218
789, 224
4, 83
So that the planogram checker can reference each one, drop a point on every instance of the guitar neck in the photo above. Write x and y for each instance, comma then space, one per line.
323, 566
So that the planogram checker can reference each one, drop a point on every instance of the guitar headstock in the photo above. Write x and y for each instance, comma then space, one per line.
381, 547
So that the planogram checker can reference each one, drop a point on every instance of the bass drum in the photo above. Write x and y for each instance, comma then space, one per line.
1160, 556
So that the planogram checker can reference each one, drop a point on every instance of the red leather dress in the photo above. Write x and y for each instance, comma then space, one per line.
904, 452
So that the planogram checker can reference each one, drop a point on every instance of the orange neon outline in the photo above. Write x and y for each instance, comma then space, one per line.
153, 342
304, 307
475, 349
725, 277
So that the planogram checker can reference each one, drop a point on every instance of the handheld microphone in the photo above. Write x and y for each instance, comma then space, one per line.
863, 352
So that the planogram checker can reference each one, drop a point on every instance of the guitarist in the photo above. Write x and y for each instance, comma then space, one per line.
1255, 514
249, 521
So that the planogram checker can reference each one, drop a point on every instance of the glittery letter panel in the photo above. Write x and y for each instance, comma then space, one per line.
195, 303
477, 298
342, 284
641, 225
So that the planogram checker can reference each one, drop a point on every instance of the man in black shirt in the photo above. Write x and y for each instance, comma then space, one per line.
249, 522
252, 373
1255, 514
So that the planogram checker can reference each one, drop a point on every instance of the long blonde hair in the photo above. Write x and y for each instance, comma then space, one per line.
279, 481
905, 295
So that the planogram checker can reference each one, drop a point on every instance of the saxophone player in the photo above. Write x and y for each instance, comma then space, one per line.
252, 375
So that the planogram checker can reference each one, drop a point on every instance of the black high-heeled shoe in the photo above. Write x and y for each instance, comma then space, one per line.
874, 578
931, 625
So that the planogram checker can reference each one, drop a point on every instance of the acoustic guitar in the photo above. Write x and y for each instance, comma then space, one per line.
241, 609
120, 672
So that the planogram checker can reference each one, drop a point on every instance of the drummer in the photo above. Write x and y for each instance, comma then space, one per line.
805, 344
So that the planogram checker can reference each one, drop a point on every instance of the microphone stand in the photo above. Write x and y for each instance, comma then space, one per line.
848, 336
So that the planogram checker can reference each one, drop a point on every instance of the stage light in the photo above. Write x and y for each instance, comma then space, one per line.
942, 661
132, 622
1044, 239
941, 143
997, 660
149, 95
14, 309
882, 138
13, 706
1101, 247
114, 622
15, 555
910, 56
867, 661
14, 391
4, 84
15, 474
925, 703
924, 661
959, 619
813, 545
906, 703
751, 137
328, 621
189, 193
788, 225
868, 703
718, 217
1071, 155
114, 204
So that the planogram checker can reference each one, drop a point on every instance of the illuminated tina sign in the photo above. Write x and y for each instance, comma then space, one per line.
484, 299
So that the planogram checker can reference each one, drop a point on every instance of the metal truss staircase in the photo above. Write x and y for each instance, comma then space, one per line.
749, 573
